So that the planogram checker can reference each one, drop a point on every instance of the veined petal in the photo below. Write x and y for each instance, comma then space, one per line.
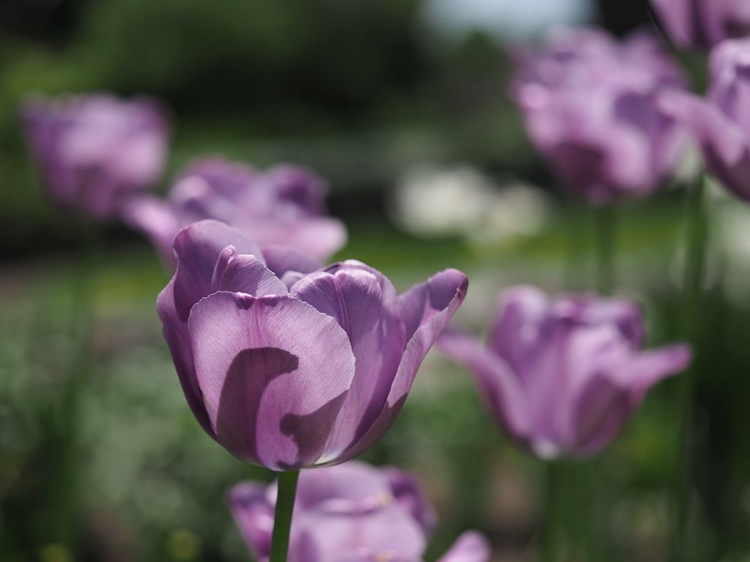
426, 308
283, 259
245, 274
353, 295
274, 374
178, 340
197, 248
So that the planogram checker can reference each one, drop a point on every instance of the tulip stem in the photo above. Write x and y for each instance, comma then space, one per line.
694, 274
282, 522
551, 530
605, 232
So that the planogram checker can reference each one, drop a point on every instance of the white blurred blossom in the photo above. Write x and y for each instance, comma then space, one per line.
434, 201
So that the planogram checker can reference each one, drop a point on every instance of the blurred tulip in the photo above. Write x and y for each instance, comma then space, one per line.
588, 106
96, 151
349, 513
703, 23
283, 205
287, 364
721, 123
563, 375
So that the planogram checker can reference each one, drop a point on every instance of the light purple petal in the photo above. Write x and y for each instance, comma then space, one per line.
154, 218
285, 259
499, 386
469, 547
353, 294
379, 534
274, 374
426, 308
514, 330
244, 274
409, 494
347, 488
254, 513
197, 248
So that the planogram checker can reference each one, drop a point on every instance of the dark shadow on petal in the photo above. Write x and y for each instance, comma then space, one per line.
305, 429
250, 373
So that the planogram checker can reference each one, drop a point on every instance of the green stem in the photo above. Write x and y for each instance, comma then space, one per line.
282, 522
552, 506
67, 479
696, 249
606, 233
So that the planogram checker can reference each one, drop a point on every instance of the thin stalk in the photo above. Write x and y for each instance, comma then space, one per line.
606, 235
550, 546
282, 522
694, 273
66, 488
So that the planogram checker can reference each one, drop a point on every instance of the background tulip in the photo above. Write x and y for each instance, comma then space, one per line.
287, 364
563, 375
703, 23
349, 512
721, 123
588, 105
283, 205
94, 152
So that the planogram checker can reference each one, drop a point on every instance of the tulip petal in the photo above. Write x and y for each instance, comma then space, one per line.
469, 547
244, 274
197, 248
178, 340
274, 373
514, 330
346, 488
498, 385
375, 535
284, 259
426, 309
353, 295
254, 514
410, 496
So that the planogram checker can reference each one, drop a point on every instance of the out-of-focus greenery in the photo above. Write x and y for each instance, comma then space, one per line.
359, 91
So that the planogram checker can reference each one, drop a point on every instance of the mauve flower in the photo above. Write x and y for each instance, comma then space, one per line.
563, 375
588, 105
96, 151
703, 23
288, 364
283, 205
721, 122
349, 513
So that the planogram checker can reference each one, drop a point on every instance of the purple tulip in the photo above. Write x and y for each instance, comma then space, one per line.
704, 23
96, 151
288, 364
563, 375
721, 123
588, 105
283, 205
349, 513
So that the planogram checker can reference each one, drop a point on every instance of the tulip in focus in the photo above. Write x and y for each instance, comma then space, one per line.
352, 512
95, 152
288, 364
283, 205
588, 105
703, 23
721, 122
563, 375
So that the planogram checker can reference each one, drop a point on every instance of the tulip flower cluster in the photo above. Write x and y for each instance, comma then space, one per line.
283, 205
563, 375
588, 102
95, 152
350, 512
